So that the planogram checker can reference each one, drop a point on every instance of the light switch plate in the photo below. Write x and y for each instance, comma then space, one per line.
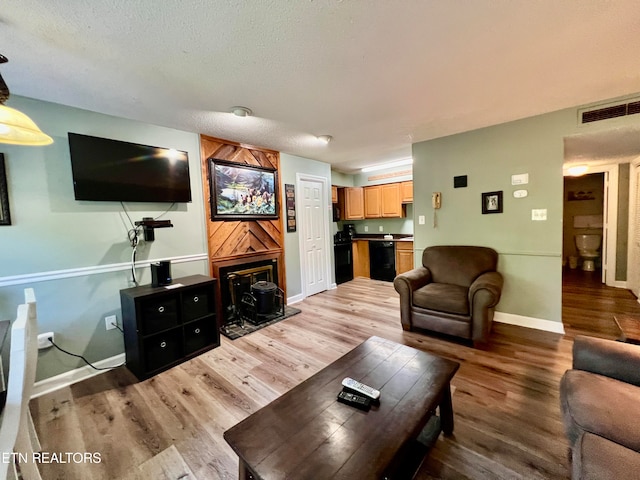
520, 179
421, 220
539, 214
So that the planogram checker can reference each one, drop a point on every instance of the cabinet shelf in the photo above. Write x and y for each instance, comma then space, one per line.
164, 327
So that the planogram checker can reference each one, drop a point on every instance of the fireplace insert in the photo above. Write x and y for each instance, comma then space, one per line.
236, 282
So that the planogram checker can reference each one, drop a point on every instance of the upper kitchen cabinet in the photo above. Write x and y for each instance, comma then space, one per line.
334, 194
383, 201
406, 191
391, 206
353, 203
372, 202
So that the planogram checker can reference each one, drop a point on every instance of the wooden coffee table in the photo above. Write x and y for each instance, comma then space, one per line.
306, 433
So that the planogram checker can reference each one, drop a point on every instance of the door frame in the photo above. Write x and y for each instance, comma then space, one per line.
301, 177
632, 267
610, 233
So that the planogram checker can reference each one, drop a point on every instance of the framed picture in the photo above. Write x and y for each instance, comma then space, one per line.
242, 192
492, 202
5, 218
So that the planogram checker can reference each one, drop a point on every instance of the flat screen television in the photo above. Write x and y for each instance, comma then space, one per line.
112, 170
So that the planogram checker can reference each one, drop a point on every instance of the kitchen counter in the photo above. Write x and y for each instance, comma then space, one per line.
380, 237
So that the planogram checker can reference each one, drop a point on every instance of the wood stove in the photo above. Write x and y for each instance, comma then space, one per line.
249, 292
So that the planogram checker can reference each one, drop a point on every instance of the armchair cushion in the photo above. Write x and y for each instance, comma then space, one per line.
602, 406
442, 297
596, 458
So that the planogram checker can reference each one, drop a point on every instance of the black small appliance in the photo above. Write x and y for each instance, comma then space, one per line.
161, 273
350, 229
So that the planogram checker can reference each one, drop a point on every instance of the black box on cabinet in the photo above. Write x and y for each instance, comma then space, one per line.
164, 326
161, 273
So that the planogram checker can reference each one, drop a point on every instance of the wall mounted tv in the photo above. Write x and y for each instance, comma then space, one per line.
112, 170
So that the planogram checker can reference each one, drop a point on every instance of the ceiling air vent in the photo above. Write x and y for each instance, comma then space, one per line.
611, 111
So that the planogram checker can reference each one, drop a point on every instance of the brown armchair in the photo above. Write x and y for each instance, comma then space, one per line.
453, 292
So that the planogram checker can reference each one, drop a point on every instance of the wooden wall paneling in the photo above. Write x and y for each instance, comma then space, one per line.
238, 241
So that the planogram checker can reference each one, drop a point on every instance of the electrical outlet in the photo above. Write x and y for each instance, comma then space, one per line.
381, 228
366, 228
421, 220
110, 322
43, 340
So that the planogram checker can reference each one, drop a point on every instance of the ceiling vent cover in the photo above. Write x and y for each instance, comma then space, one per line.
611, 111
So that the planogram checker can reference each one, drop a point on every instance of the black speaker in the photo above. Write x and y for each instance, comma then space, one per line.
161, 274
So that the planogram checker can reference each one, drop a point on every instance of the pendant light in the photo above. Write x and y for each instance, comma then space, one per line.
16, 128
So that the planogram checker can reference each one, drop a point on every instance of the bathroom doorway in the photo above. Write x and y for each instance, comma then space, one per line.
590, 207
583, 223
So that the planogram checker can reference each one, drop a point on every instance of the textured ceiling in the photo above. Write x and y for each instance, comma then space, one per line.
377, 75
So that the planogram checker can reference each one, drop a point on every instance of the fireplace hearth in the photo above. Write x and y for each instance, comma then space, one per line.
249, 293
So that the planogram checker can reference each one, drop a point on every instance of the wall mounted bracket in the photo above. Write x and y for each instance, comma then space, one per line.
148, 226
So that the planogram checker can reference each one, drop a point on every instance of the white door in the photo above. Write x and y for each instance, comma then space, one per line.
605, 231
313, 213
633, 269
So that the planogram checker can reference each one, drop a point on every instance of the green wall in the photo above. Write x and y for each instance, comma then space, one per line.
75, 253
530, 251
290, 166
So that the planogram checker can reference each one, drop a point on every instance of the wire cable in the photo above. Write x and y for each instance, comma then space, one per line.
85, 360
166, 211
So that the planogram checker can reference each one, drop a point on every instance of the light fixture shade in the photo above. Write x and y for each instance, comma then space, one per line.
325, 138
241, 111
18, 129
399, 163
577, 170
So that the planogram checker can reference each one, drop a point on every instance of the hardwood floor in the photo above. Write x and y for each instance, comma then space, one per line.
505, 396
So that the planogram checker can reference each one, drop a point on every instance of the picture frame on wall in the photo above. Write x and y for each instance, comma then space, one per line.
5, 217
242, 192
492, 202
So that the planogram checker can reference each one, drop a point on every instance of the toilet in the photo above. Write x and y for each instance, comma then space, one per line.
588, 246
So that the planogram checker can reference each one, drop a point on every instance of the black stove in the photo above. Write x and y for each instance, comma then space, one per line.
343, 257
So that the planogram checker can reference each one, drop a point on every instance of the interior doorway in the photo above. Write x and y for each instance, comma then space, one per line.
590, 207
313, 201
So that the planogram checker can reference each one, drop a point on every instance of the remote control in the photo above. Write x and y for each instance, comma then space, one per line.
358, 401
361, 389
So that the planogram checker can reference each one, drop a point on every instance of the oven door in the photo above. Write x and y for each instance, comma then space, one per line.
344, 262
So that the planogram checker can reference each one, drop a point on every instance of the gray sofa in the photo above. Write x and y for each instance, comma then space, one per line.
453, 292
600, 403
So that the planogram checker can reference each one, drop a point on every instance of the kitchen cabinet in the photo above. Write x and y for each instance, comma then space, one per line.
391, 206
373, 202
383, 201
361, 264
406, 191
404, 257
353, 203
334, 194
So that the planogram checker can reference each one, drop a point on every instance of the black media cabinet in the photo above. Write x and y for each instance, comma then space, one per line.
165, 326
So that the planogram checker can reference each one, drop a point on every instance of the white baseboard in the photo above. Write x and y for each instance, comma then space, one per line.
295, 299
69, 378
529, 322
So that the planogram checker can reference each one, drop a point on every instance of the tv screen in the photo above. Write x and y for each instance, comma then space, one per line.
111, 170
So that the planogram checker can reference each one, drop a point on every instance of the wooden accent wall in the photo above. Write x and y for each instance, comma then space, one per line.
242, 240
